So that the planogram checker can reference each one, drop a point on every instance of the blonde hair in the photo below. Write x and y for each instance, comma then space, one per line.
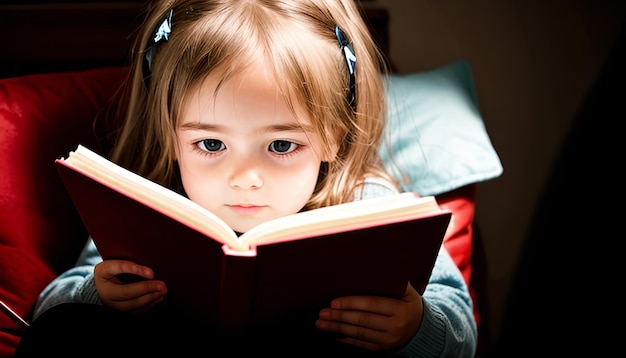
297, 39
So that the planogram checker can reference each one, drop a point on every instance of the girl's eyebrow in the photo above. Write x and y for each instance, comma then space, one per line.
200, 126
282, 127
290, 127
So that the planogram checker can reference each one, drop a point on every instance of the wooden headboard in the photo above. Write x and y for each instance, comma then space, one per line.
40, 36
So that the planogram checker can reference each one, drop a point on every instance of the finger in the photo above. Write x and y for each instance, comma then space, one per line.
355, 319
143, 290
364, 336
361, 336
379, 305
133, 300
375, 304
110, 269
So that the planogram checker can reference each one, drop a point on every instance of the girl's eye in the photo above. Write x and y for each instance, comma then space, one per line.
282, 147
211, 145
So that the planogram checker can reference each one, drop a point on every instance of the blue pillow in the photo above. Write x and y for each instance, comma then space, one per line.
435, 131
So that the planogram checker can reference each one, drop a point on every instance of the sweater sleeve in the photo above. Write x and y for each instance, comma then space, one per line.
74, 285
448, 328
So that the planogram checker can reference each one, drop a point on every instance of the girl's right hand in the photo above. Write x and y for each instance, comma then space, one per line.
138, 296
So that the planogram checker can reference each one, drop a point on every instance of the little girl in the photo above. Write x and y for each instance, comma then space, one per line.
254, 109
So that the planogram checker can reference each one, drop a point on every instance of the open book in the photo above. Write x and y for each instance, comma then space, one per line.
284, 268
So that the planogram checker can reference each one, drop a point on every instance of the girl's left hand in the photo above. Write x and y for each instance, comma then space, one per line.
374, 323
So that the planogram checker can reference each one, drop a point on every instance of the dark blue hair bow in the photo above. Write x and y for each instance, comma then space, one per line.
348, 53
162, 33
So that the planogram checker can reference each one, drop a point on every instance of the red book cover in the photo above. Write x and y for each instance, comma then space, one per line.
270, 282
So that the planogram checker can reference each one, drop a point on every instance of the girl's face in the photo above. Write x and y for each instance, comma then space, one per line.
242, 154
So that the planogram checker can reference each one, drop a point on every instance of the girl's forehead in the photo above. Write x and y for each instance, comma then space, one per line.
256, 74
255, 82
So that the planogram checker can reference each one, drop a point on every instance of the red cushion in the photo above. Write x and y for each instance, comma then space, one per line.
459, 242
42, 117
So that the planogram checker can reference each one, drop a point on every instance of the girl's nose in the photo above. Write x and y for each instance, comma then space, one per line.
246, 177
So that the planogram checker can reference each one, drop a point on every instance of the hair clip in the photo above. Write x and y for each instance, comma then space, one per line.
162, 33
348, 53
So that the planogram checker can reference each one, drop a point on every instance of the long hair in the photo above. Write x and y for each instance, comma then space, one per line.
297, 41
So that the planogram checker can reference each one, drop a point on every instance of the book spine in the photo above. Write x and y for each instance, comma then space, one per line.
237, 291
